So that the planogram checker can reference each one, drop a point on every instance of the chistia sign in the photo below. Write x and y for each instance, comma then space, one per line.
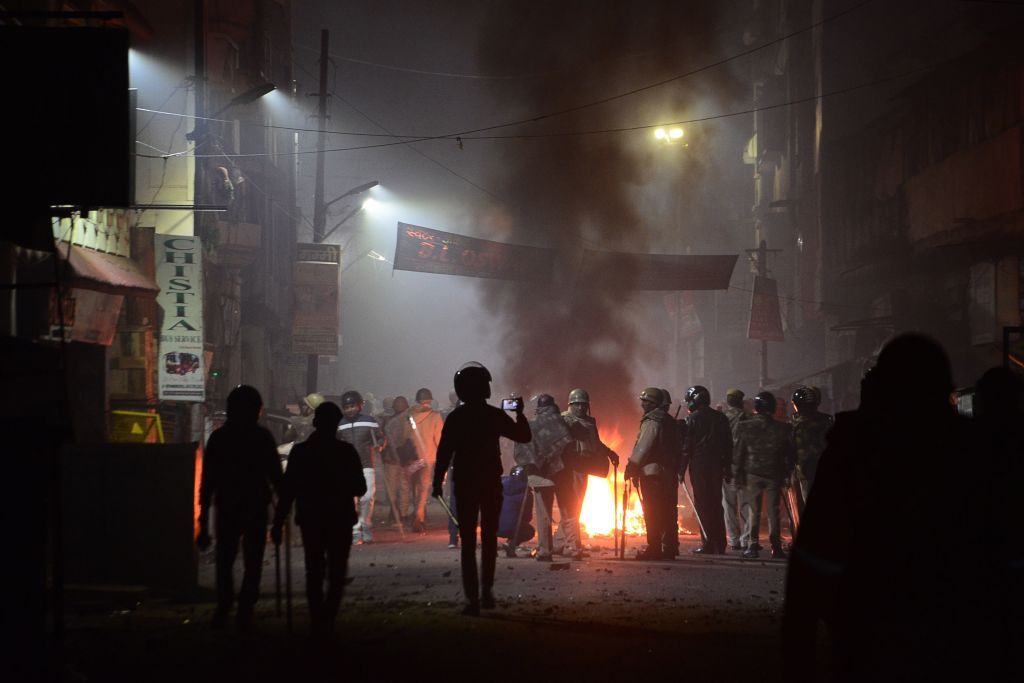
179, 273
426, 250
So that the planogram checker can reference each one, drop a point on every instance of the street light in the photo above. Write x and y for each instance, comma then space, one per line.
673, 134
369, 204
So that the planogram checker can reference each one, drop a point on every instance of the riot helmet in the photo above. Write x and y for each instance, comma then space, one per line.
579, 396
697, 397
473, 382
653, 396
244, 404
666, 399
806, 400
313, 400
764, 403
734, 398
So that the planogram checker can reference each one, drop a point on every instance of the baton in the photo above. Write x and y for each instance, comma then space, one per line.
277, 579
440, 499
288, 571
625, 504
696, 514
615, 509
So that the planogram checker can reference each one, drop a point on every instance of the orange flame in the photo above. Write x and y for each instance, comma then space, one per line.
602, 507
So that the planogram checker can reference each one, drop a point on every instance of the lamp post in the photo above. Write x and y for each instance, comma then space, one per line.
674, 136
319, 235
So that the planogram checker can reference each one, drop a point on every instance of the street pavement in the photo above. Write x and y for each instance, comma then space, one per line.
601, 618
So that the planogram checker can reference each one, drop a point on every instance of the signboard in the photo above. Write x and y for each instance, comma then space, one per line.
179, 274
318, 253
89, 316
127, 426
315, 300
765, 316
425, 250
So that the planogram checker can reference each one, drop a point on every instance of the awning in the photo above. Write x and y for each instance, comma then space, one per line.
106, 272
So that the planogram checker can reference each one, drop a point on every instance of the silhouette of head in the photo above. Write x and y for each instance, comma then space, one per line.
697, 397
915, 365
764, 403
400, 404
244, 404
998, 394
473, 382
734, 398
806, 400
326, 417
424, 395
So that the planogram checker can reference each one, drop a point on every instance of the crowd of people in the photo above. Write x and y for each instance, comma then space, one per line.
878, 468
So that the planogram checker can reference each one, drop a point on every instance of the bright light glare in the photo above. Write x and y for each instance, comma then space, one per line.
659, 133
676, 133
370, 205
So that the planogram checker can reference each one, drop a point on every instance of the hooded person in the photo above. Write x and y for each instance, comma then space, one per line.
240, 471
324, 479
544, 459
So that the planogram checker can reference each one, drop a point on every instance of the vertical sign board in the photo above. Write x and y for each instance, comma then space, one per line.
765, 315
179, 273
315, 303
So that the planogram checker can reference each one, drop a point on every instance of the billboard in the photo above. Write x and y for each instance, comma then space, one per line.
426, 250
765, 315
315, 300
179, 274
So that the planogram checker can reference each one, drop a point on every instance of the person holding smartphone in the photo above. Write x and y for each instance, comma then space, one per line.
469, 443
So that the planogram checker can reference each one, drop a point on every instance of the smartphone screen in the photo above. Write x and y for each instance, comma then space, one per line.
508, 404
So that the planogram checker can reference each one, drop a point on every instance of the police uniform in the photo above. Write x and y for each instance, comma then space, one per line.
810, 430
652, 458
762, 462
730, 493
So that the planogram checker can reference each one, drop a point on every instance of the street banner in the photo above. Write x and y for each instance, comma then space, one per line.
765, 316
658, 272
426, 250
315, 300
179, 274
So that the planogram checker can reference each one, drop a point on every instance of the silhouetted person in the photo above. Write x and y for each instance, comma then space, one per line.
240, 466
900, 475
651, 467
324, 478
998, 415
469, 442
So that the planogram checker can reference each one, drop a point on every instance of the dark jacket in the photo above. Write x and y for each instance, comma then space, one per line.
324, 477
708, 441
469, 442
365, 434
240, 467
764, 448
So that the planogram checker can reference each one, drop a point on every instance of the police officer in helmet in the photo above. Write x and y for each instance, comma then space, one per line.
707, 452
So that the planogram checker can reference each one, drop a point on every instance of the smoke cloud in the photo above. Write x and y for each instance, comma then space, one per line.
596, 191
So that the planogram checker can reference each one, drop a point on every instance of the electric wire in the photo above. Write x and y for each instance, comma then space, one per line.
617, 96
406, 139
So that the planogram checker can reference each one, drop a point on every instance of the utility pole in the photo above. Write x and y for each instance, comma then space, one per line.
762, 270
760, 259
319, 207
